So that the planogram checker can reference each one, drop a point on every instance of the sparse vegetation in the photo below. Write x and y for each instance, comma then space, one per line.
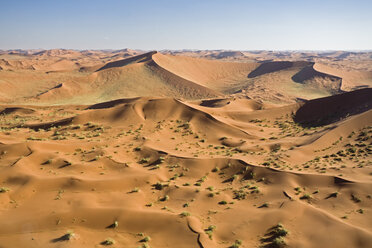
236, 244
164, 198
305, 197
209, 231
275, 237
146, 239
4, 189
68, 236
185, 214
108, 241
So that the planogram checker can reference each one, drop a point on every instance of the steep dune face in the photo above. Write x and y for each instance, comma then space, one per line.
350, 79
129, 81
334, 108
209, 73
135, 59
308, 75
269, 67
184, 87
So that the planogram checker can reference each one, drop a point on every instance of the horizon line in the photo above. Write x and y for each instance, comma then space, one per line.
192, 49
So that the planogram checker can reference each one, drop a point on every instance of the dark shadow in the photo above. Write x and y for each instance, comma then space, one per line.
341, 181
263, 206
214, 103
106, 242
249, 175
156, 162
309, 72
327, 110
269, 239
229, 180
48, 125
111, 104
269, 67
139, 58
111, 226
65, 237
65, 165
332, 195
159, 186
46, 162
11, 110
55, 87
286, 195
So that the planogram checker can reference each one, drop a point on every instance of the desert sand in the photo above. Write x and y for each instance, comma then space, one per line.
185, 149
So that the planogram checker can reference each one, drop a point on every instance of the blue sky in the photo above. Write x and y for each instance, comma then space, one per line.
187, 24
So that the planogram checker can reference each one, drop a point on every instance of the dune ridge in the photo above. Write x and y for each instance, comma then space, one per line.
98, 76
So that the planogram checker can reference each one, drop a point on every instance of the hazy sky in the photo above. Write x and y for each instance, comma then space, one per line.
187, 24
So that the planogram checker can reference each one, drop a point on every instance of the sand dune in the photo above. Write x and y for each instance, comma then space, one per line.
133, 149
162, 172
97, 76
209, 73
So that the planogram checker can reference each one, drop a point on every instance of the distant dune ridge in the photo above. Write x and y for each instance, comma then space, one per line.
94, 76
185, 149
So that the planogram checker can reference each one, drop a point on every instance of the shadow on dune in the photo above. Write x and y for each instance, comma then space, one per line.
47, 125
215, 103
327, 110
309, 72
270, 67
111, 104
12, 110
65, 237
138, 59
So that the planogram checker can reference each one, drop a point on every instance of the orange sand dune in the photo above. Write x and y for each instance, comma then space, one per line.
166, 172
209, 73
210, 149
